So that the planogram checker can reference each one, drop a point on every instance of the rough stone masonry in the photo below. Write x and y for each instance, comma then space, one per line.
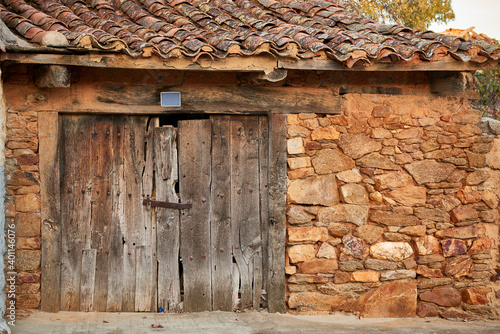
22, 204
393, 209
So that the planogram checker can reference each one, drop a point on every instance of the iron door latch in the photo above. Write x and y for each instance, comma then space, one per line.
168, 205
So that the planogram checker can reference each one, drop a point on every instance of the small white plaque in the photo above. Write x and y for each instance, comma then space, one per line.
170, 99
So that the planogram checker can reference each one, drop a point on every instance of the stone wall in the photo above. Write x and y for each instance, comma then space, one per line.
393, 209
22, 202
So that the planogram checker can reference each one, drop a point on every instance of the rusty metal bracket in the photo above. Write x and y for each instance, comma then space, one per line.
168, 205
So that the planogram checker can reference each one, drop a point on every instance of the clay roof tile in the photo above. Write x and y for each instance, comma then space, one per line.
216, 28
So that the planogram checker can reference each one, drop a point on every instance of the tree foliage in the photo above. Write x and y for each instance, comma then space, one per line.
415, 14
488, 86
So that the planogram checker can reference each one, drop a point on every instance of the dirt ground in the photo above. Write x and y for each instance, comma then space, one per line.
231, 323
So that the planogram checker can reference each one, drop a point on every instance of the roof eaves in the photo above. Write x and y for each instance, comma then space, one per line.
258, 63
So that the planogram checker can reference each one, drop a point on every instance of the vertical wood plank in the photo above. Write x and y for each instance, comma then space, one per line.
245, 201
76, 184
135, 227
264, 197
48, 122
220, 217
166, 176
257, 278
194, 183
87, 280
277, 208
143, 278
115, 265
101, 204
149, 214
148, 174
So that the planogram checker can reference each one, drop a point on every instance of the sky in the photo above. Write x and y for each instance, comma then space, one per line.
482, 14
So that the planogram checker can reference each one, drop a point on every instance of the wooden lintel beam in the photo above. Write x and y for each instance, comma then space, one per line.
230, 99
140, 99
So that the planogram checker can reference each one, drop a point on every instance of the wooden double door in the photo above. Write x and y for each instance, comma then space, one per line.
127, 244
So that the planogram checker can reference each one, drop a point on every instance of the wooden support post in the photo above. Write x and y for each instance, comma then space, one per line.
277, 210
51, 228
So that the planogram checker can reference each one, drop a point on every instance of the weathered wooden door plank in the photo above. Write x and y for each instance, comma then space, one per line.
144, 278
76, 183
220, 216
101, 163
135, 227
264, 200
115, 265
148, 174
149, 214
50, 212
194, 183
237, 214
277, 207
245, 212
166, 176
88, 280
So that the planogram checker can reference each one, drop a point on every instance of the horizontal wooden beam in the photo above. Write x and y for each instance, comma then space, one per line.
456, 84
143, 99
258, 63
446, 64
